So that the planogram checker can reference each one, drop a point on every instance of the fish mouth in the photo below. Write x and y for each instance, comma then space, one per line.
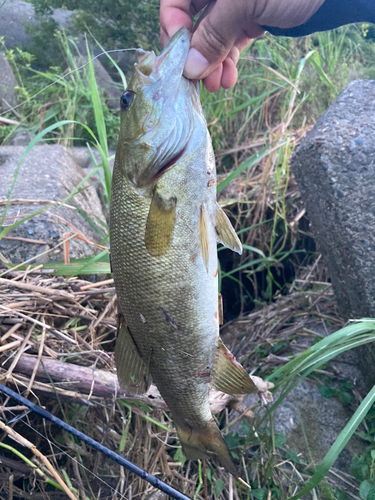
175, 52
169, 65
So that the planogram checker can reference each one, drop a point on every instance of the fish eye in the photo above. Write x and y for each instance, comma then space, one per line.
127, 99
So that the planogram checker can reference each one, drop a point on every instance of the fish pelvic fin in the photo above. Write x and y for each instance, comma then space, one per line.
230, 377
206, 443
226, 234
132, 371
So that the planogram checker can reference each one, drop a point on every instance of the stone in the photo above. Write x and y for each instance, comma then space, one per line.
47, 174
15, 13
310, 421
8, 84
13, 16
112, 92
20, 138
334, 167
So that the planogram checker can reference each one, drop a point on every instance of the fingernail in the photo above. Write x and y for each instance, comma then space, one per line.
172, 30
196, 65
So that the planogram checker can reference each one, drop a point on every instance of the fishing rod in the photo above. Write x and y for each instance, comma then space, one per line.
154, 481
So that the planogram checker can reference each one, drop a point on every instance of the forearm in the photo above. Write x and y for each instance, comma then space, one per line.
332, 14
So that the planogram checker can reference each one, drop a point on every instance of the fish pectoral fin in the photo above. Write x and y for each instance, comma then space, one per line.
204, 236
132, 371
226, 234
230, 377
198, 444
160, 223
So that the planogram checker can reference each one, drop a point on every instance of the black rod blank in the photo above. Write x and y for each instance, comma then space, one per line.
160, 485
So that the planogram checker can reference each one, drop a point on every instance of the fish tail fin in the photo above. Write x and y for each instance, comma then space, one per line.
203, 443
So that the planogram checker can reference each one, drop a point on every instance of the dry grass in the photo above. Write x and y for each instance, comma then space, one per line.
55, 333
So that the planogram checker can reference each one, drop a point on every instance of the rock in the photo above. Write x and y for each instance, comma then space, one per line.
83, 158
112, 92
20, 138
335, 169
310, 421
13, 15
48, 174
8, 84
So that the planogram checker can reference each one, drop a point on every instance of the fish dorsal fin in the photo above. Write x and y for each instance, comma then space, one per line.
160, 223
204, 237
230, 377
225, 232
132, 371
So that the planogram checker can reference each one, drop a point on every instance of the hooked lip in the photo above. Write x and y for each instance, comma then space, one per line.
172, 59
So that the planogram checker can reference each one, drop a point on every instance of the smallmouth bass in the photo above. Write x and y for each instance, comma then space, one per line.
164, 228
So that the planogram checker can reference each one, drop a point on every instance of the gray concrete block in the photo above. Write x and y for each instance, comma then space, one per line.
48, 174
335, 170
8, 85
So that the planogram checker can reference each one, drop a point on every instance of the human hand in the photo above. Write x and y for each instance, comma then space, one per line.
225, 29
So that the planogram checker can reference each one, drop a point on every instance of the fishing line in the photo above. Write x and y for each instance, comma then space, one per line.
63, 452
154, 481
64, 76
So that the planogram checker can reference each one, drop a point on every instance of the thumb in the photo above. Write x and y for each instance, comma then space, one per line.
213, 39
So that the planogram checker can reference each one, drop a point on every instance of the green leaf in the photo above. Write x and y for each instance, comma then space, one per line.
367, 488
250, 162
219, 486
180, 457
259, 493
245, 426
325, 391
293, 456
59, 269
345, 397
340, 495
280, 439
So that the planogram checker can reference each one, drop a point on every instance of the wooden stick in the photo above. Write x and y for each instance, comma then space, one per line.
50, 328
40, 352
8, 121
39, 289
26, 240
101, 383
96, 285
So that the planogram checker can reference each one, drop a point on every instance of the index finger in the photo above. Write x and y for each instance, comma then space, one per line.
174, 14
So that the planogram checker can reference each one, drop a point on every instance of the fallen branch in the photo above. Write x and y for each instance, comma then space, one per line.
8, 121
100, 383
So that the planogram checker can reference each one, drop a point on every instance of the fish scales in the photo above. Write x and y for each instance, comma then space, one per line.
176, 283
164, 228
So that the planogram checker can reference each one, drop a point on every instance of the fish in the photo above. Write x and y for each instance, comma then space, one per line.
165, 224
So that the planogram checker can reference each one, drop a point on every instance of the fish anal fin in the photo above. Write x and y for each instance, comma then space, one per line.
230, 377
204, 443
204, 236
160, 224
225, 232
132, 371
